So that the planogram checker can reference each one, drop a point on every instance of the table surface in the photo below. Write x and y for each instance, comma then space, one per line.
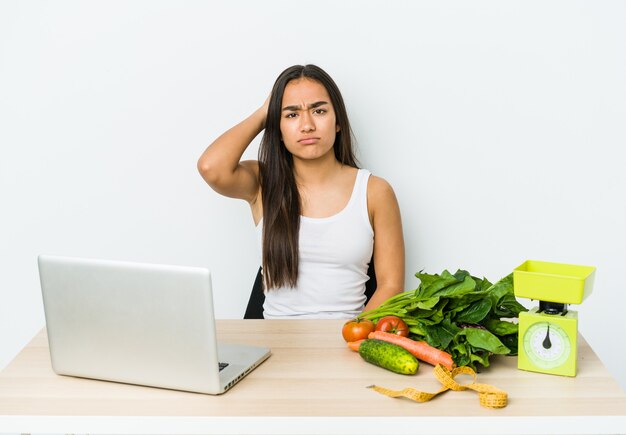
311, 378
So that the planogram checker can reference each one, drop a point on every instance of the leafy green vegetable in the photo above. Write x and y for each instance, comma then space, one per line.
442, 334
476, 312
460, 314
500, 327
483, 339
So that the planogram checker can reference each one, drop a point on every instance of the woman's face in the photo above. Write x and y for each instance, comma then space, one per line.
307, 124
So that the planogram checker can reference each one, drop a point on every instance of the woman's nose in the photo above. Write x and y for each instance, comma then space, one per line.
307, 123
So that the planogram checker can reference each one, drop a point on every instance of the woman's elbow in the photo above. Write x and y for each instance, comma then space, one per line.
208, 171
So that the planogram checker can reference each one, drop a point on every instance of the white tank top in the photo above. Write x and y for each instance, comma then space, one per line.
334, 257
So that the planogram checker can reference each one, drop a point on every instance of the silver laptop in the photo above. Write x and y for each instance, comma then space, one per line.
140, 324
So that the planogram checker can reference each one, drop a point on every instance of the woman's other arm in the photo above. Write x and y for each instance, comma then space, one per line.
388, 241
220, 164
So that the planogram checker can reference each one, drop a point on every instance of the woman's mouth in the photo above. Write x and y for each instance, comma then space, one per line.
308, 140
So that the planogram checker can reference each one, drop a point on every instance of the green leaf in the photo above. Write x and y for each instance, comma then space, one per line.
511, 342
475, 312
482, 284
500, 289
426, 279
434, 318
460, 354
417, 330
462, 288
441, 335
431, 285
509, 307
459, 304
461, 274
500, 327
483, 339
427, 304
481, 357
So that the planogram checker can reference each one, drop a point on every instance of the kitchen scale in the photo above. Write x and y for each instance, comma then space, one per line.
548, 334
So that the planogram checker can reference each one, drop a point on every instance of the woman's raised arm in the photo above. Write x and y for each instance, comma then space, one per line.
220, 164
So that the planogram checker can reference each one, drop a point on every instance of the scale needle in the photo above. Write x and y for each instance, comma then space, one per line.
547, 344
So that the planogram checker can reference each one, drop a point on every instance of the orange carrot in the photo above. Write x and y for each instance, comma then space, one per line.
420, 349
354, 345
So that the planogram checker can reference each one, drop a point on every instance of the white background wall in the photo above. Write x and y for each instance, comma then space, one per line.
499, 124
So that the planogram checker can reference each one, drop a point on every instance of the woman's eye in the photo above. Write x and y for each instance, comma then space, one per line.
290, 115
320, 111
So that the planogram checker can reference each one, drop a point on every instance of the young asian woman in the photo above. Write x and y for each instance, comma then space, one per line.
320, 219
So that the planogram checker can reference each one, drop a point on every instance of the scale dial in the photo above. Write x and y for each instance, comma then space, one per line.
547, 345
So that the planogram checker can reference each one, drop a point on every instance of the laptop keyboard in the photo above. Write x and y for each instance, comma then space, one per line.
222, 365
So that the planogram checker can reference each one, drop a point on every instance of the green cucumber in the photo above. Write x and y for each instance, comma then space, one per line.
388, 356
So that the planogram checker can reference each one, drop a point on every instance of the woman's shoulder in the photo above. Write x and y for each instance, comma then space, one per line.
380, 195
378, 186
382, 204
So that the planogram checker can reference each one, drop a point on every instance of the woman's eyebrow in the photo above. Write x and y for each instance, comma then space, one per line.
310, 106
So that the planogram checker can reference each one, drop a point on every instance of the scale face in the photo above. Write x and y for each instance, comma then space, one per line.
547, 347
548, 342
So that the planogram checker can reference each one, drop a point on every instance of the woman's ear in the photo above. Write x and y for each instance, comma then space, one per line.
338, 128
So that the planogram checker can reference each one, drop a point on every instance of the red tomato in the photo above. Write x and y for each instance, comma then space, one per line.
357, 329
393, 325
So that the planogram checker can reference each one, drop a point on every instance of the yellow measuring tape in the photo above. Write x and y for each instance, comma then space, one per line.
489, 397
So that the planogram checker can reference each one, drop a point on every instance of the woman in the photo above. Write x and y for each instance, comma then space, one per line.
319, 217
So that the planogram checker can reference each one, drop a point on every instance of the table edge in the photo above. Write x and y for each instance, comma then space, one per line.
313, 425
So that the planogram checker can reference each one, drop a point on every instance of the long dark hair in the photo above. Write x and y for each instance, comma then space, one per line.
279, 192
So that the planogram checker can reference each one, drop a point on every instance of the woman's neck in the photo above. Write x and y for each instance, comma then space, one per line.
318, 171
